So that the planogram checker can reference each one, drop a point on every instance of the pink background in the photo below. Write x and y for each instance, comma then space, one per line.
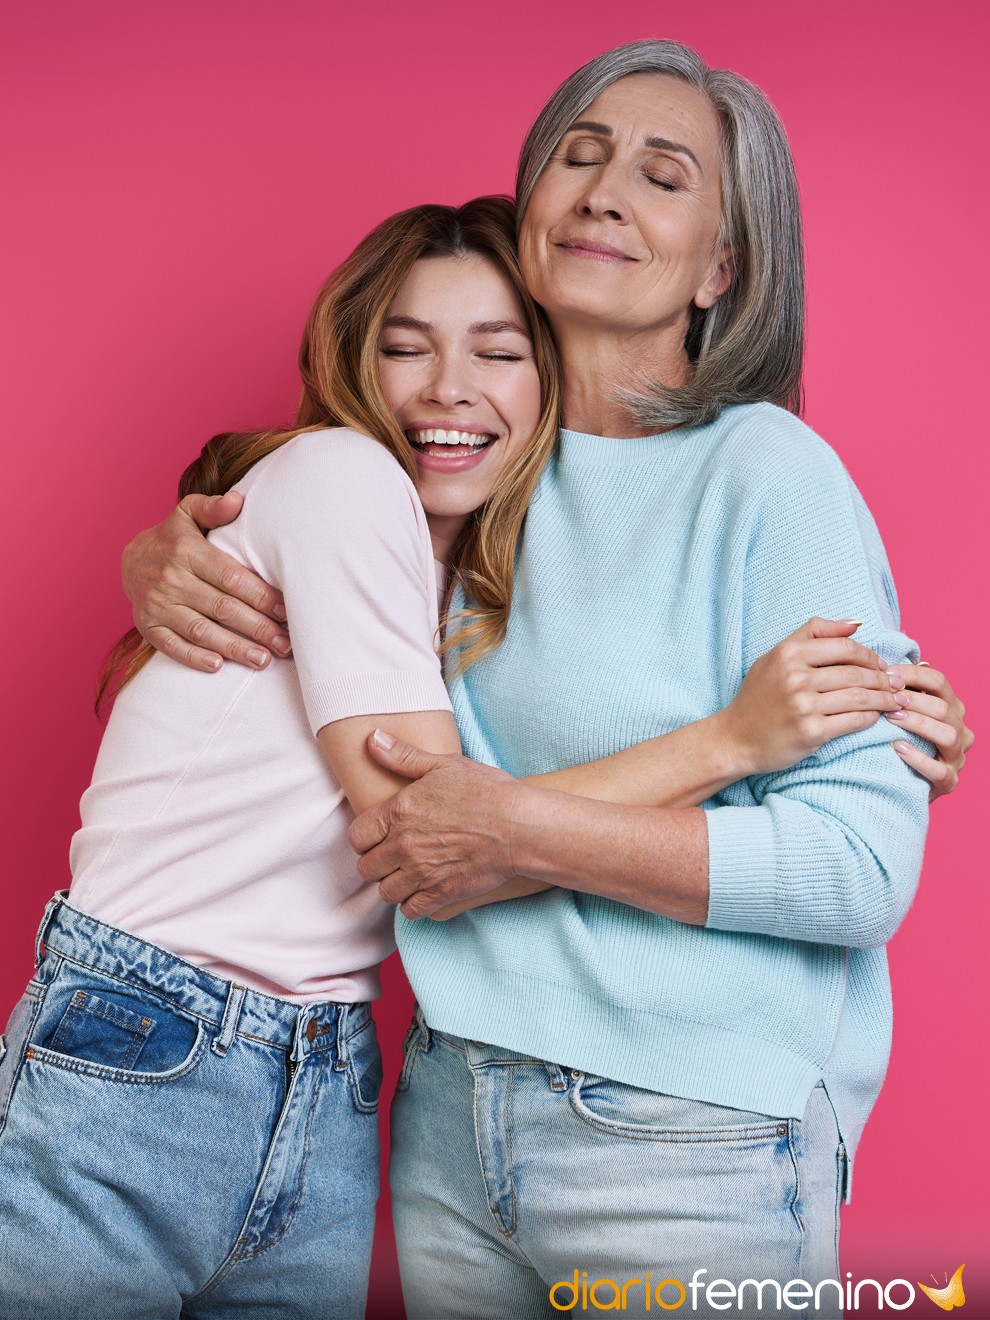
179, 180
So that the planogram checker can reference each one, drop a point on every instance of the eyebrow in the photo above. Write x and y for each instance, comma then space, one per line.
656, 143
477, 328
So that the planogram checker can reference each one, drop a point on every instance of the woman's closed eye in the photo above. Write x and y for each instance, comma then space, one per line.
661, 181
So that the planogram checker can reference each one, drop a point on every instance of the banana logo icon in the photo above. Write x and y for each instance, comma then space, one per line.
951, 1295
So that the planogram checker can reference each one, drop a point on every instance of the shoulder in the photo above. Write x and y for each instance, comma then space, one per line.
336, 468
765, 459
338, 450
769, 443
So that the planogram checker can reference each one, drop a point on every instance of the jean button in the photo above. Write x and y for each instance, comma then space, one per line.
312, 1030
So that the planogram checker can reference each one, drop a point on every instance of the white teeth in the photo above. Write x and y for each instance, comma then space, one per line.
435, 436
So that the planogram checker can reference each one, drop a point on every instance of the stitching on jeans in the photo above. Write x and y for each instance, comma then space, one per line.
18, 1065
673, 1136
235, 1255
290, 1214
796, 1197
78, 1007
141, 985
104, 1072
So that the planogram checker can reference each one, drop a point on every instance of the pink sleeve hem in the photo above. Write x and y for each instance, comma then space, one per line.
387, 693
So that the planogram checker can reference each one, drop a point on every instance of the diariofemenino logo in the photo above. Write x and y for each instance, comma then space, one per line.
645, 1294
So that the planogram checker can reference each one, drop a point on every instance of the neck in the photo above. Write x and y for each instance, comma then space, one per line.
444, 531
595, 360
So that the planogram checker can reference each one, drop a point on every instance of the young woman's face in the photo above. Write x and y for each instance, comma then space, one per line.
458, 370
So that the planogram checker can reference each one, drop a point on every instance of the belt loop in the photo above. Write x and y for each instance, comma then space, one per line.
558, 1082
343, 1013
51, 908
231, 1016
425, 1034
298, 1051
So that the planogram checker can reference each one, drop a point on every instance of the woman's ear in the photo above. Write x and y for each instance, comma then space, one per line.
720, 276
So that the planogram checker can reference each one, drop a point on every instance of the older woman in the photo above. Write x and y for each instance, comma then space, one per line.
654, 1074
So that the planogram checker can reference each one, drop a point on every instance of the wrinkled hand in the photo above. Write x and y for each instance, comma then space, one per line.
192, 601
440, 840
933, 711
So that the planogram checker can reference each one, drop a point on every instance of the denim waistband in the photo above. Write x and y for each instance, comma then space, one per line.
479, 1054
78, 938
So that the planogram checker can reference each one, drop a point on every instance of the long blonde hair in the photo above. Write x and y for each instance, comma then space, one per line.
338, 362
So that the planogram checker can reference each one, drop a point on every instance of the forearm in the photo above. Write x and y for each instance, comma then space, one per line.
679, 769
651, 858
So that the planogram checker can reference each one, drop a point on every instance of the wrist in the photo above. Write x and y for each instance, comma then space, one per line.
733, 756
533, 822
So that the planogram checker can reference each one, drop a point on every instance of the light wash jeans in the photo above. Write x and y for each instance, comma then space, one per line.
510, 1174
173, 1145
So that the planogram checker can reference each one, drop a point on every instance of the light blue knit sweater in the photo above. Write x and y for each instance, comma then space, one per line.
652, 573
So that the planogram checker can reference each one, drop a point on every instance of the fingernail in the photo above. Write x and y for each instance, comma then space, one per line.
282, 645
901, 746
382, 739
923, 664
901, 698
258, 657
895, 714
853, 622
214, 662
896, 679
279, 612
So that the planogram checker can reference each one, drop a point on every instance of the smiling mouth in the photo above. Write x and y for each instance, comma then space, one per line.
434, 440
579, 247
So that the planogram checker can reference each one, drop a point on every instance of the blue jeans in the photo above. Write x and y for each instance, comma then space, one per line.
512, 1176
172, 1144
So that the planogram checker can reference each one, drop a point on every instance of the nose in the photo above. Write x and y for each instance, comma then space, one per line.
450, 382
604, 195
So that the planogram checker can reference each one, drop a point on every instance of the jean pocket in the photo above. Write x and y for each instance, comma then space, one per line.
116, 1032
364, 1068
629, 1111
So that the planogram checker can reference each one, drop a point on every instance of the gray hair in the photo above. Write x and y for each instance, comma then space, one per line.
749, 345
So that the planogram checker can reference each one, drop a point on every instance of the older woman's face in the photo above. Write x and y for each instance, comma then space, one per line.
621, 228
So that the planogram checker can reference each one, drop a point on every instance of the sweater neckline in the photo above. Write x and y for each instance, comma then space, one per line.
580, 448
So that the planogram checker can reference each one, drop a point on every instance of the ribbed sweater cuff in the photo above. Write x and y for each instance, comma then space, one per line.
741, 870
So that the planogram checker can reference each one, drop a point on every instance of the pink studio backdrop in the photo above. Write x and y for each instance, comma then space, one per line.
178, 182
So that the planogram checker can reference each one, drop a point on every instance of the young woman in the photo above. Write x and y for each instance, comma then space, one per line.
189, 1084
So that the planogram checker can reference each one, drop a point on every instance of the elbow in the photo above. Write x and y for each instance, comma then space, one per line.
880, 902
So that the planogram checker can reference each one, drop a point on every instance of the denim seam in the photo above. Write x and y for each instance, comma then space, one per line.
793, 1125
360, 1104
481, 1159
507, 1124
8, 1100
138, 985
294, 1206
76, 1008
103, 1072
841, 1173
672, 1136
412, 1047
236, 1254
